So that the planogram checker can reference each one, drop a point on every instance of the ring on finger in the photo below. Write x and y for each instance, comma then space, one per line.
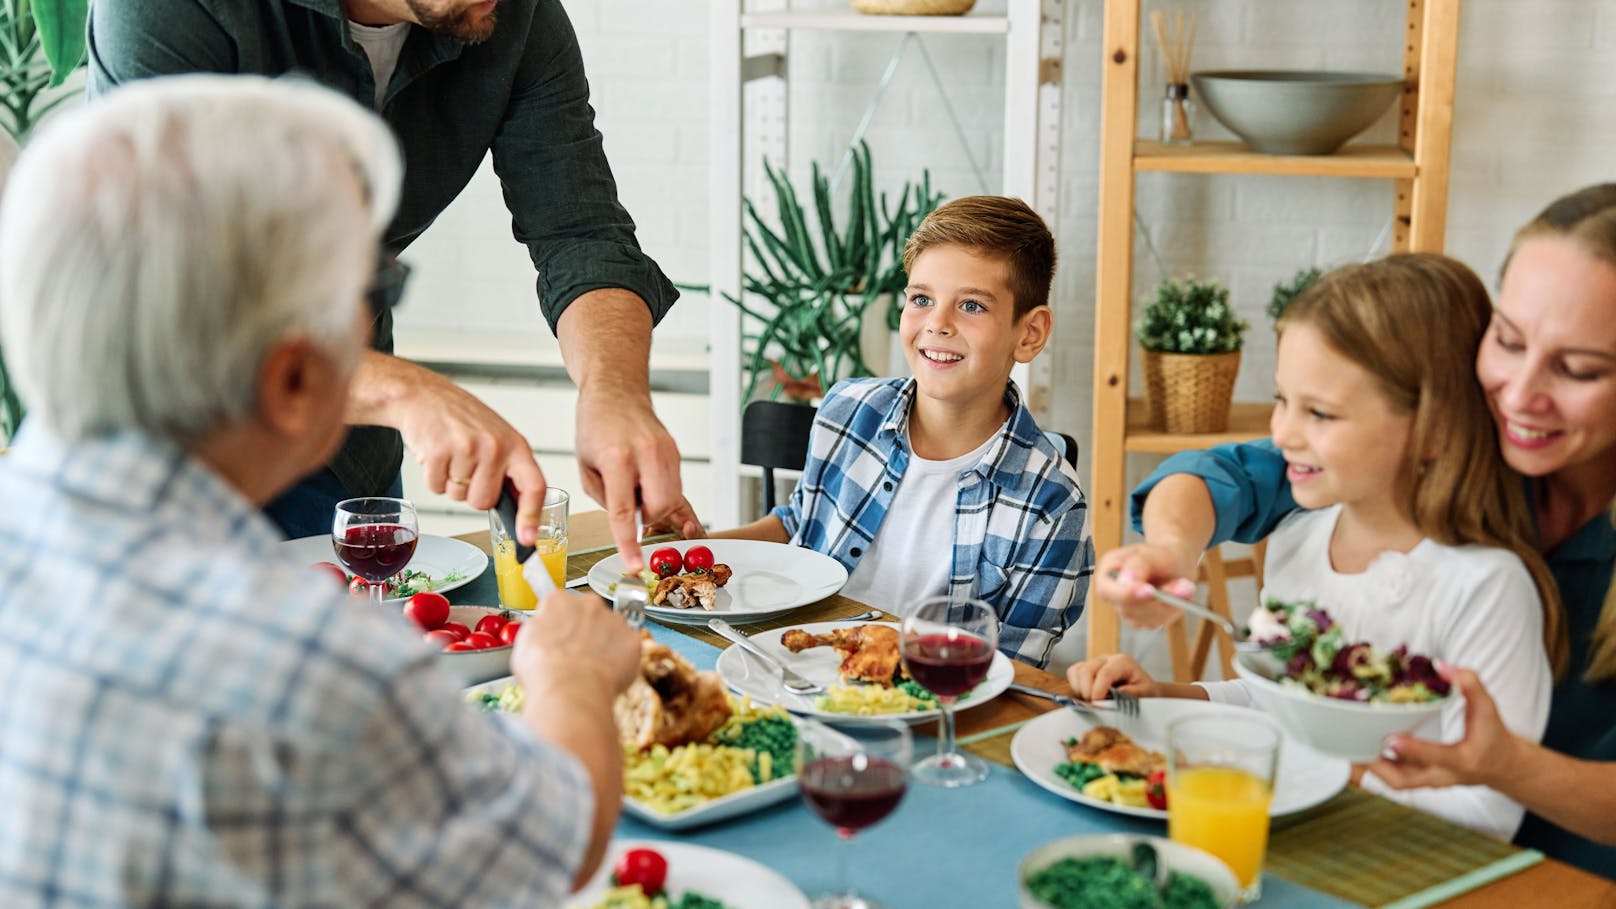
460, 482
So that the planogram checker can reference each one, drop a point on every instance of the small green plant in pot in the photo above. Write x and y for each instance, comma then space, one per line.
1191, 339
1286, 291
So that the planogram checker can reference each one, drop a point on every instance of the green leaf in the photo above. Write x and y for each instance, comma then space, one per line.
62, 26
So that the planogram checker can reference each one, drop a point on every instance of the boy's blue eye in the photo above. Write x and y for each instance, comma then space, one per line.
919, 300
973, 306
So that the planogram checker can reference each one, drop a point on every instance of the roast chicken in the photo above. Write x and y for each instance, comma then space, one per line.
1114, 752
869, 652
669, 703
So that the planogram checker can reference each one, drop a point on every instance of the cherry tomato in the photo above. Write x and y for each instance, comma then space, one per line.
460, 631
428, 610
645, 867
491, 624
1156, 790
357, 587
327, 568
666, 562
481, 641
508, 633
440, 638
460, 647
698, 558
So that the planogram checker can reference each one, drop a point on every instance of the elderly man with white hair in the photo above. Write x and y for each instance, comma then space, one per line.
188, 717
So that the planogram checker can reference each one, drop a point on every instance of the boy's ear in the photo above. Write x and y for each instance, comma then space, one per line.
1033, 330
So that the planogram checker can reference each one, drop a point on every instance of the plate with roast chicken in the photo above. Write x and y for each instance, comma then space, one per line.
741, 581
1119, 764
859, 667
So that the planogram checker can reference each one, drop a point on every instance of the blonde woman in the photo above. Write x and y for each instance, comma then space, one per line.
1548, 368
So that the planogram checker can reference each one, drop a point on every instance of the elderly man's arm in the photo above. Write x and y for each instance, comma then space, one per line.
600, 292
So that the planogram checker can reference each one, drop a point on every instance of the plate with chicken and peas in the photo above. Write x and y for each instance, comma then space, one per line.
742, 581
858, 667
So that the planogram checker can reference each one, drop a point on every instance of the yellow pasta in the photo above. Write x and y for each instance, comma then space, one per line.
870, 700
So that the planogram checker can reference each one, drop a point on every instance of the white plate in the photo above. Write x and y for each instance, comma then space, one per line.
746, 674
1305, 778
770, 579
437, 556
737, 882
719, 809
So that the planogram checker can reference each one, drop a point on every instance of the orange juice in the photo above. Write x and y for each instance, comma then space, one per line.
1223, 811
553, 552
514, 591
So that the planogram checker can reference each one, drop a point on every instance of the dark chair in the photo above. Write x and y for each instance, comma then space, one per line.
774, 436
1064, 444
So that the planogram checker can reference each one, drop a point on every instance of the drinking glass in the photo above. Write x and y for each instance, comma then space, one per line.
1220, 781
947, 646
550, 547
851, 776
375, 539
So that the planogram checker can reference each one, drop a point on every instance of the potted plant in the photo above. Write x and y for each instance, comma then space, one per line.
812, 294
1286, 291
41, 44
1191, 339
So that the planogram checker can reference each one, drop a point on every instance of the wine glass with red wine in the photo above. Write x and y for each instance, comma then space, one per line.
851, 776
947, 646
375, 539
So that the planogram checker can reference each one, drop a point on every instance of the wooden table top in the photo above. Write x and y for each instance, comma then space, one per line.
1549, 880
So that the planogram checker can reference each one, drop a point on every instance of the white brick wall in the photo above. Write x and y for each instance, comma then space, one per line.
1534, 119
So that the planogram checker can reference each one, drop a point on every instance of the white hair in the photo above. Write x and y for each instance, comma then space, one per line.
156, 244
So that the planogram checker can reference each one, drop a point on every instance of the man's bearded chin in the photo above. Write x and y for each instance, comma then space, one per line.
459, 25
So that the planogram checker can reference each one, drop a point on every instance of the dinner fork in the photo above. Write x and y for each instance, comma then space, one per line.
1122, 703
789, 679
629, 600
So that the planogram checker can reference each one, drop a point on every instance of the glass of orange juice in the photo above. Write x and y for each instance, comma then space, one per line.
551, 548
1220, 781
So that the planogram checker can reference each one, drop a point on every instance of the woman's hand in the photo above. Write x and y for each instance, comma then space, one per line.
1125, 575
1092, 680
1486, 754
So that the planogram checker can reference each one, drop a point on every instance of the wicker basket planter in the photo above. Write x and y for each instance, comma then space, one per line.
1188, 393
913, 7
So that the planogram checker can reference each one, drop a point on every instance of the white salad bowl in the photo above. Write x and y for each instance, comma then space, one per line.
1350, 729
1172, 856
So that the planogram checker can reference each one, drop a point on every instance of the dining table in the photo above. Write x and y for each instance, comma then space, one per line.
962, 847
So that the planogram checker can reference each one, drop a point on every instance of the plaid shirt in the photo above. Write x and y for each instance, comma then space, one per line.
188, 718
1021, 537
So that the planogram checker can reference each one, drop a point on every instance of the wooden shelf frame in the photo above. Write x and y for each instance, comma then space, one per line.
1417, 167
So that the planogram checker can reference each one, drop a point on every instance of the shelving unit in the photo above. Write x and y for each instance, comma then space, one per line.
749, 97
1417, 165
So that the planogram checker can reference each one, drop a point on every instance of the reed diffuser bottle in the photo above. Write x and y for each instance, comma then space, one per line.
1175, 45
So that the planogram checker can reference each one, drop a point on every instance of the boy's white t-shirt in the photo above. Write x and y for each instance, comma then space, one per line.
382, 44
1472, 606
913, 551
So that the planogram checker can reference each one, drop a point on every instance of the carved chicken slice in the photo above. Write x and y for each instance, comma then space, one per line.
869, 652
1114, 752
670, 703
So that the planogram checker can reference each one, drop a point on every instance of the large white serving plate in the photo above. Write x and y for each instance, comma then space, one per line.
737, 882
720, 809
1305, 778
769, 580
746, 674
437, 556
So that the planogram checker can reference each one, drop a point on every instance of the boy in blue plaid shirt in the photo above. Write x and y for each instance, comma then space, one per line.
943, 483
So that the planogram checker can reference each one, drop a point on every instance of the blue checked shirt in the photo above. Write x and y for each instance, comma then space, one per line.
1021, 536
187, 718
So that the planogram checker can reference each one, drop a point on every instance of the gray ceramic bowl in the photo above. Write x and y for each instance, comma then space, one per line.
472, 667
1289, 112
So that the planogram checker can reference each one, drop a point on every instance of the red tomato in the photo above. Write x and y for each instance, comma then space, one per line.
460, 647
698, 558
481, 641
1156, 790
358, 588
508, 633
491, 624
666, 562
440, 639
460, 631
327, 568
645, 867
428, 610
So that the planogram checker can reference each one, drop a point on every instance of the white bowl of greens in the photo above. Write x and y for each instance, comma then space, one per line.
1119, 871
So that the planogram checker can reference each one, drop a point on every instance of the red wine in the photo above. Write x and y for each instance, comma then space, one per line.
852, 793
375, 552
948, 665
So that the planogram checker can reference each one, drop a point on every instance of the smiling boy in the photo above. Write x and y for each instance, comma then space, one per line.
943, 483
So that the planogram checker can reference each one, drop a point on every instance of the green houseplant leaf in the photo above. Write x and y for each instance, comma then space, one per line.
1190, 317
61, 32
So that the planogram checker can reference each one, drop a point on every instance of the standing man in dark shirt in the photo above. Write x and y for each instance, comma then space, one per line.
456, 79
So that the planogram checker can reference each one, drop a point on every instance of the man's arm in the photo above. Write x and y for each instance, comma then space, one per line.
138, 39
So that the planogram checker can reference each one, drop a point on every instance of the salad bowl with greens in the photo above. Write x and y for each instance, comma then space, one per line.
1118, 871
